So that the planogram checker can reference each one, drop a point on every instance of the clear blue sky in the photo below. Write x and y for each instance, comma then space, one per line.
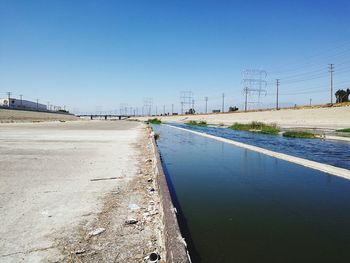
92, 55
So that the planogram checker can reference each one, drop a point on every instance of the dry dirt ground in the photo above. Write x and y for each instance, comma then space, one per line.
60, 182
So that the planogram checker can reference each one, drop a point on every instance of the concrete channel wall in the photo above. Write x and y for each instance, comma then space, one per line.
7, 115
175, 245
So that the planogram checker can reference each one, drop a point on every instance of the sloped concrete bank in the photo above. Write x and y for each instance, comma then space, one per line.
327, 118
7, 115
175, 245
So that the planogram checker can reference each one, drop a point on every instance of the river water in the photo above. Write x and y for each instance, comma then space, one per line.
236, 205
336, 153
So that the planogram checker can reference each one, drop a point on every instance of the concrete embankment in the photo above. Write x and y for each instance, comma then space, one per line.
315, 118
82, 191
30, 116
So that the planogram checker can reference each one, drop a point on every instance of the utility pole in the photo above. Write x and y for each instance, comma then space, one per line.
172, 109
193, 105
331, 70
277, 86
246, 98
223, 102
206, 104
156, 110
182, 107
9, 98
37, 104
21, 96
310, 102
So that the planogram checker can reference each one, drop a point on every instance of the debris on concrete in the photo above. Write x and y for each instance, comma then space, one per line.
133, 206
102, 179
131, 221
133, 217
153, 258
97, 231
79, 251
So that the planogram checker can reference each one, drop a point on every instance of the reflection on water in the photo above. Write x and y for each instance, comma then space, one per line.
242, 206
335, 153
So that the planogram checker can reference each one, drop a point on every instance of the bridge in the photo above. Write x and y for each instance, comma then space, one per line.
105, 116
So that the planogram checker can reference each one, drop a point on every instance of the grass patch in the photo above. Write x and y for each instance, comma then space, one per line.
299, 134
197, 123
254, 126
343, 130
154, 121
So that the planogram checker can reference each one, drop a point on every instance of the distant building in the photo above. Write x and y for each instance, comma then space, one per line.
21, 104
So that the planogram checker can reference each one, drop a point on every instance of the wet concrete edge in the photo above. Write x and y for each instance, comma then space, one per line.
175, 245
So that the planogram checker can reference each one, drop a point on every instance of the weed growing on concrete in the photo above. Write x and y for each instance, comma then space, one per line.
154, 121
254, 126
343, 130
299, 134
195, 123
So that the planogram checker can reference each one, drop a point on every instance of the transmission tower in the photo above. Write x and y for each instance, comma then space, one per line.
123, 109
254, 83
206, 104
147, 104
331, 71
187, 101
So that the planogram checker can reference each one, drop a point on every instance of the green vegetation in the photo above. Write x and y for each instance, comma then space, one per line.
299, 134
343, 130
195, 123
258, 127
154, 121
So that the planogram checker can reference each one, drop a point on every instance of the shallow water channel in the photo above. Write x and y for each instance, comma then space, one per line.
336, 153
241, 206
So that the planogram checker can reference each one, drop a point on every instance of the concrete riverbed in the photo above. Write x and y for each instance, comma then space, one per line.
66, 190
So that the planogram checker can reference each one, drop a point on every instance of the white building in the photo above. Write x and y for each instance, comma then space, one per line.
21, 104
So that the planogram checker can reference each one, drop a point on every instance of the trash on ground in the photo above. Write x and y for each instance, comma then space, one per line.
106, 178
133, 206
97, 231
153, 258
79, 251
131, 221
